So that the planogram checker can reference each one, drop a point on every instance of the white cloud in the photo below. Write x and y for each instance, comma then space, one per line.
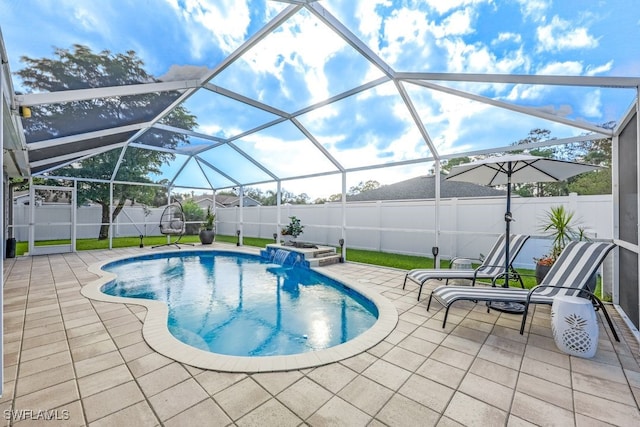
507, 37
592, 104
444, 6
459, 22
561, 68
477, 58
404, 27
86, 18
534, 9
225, 21
370, 22
594, 70
306, 53
562, 35
525, 92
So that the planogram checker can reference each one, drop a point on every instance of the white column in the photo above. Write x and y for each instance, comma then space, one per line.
2, 195
436, 225
74, 216
241, 219
110, 215
279, 211
344, 215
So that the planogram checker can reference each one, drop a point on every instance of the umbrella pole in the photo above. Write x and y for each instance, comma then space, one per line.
507, 307
507, 219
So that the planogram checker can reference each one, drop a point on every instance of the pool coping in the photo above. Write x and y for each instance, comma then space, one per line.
156, 333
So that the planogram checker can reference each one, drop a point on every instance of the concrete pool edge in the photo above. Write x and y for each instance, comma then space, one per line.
158, 337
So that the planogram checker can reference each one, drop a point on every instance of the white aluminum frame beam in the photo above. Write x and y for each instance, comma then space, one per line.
519, 109
42, 98
531, 79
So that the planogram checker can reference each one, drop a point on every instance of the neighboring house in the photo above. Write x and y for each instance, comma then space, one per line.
224, 201
51, 198
424, 187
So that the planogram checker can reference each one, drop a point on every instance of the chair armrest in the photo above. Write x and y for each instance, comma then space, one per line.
576, 290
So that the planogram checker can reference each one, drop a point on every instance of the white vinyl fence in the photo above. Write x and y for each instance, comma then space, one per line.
468, 226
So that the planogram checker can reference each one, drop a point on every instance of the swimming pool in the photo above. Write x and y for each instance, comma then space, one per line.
242, 305
234, 311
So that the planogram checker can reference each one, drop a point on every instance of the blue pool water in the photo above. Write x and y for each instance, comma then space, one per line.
243, 305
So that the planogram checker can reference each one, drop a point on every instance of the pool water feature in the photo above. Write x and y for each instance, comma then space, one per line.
283, 256
240, 305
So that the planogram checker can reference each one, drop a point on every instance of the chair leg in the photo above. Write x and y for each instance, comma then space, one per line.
420, 290
405, 280
606, 316
429, 303
524, 317
446, 314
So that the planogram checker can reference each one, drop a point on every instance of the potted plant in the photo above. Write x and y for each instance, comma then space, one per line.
292, 230
558, 225
207, 231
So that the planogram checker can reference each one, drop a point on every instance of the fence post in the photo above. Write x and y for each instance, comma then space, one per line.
379, 221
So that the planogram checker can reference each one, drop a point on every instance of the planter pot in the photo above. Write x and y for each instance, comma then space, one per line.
541, 271
207, 236
288, 240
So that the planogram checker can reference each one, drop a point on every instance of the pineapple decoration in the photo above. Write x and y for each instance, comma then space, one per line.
575, 336
574, 326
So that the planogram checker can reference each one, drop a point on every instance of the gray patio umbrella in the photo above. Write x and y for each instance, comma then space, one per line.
516, 168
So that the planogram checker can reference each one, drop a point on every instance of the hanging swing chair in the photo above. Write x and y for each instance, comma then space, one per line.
173, 223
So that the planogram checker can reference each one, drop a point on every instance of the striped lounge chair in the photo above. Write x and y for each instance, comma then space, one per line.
492, 266
569, 275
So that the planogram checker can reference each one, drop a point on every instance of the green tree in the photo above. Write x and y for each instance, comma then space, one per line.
80, 68
192, 212
364, 186
598, 152
539, 189
446, 166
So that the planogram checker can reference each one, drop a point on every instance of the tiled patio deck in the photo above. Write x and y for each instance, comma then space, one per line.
86, 363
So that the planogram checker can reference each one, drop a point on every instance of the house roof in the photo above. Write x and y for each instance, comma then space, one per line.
423, 187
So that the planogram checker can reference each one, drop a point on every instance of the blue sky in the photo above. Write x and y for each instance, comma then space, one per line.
302, 63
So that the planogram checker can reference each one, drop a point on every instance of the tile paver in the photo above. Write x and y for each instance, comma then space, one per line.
89, 358
304, 397
272, 413
178, 398
253, 395
339, 412
141, 412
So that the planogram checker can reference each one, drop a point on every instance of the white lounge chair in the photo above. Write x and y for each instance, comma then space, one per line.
569, 275
491, 267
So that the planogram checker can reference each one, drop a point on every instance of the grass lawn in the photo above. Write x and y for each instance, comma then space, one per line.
385, 259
